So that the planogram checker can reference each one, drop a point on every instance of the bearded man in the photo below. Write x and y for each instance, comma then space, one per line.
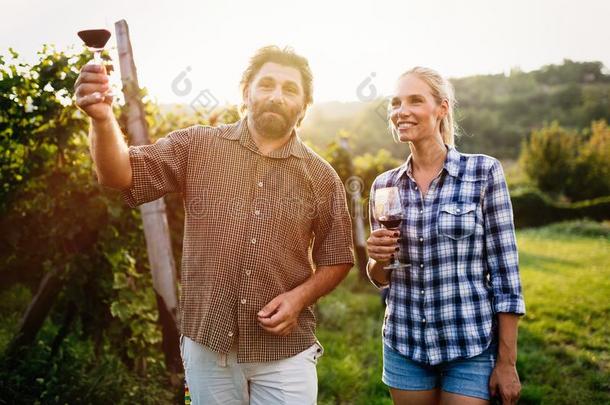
267, 230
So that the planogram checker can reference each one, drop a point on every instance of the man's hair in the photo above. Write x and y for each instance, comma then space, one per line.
285, 57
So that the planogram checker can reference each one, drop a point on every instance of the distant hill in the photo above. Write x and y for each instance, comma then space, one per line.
495, 112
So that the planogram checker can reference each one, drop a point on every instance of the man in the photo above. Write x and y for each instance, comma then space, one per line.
260, 207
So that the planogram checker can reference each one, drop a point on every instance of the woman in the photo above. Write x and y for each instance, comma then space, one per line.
450, 329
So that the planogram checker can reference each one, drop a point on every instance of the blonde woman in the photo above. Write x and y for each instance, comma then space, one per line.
450, 330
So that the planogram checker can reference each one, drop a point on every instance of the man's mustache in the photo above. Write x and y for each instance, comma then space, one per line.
274, 109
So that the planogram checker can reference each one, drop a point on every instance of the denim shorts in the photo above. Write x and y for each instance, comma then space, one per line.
468, 377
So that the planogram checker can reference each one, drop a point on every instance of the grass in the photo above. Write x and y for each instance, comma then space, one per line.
564, 339
350, 321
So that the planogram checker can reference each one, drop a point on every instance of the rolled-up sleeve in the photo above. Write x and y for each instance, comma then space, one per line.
501, 244
333, 243
158, 169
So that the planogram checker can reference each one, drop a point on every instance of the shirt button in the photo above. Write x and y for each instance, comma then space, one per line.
243, 301
423, 320
459, 210
248, 272
421, 265
260, 183
257, 212
421, 211
253, 241
422, 291
415, 187
421, 239
230, 334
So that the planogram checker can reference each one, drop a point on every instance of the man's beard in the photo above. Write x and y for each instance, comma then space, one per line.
273, 126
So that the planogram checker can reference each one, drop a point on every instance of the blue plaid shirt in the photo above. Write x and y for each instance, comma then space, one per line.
460, 242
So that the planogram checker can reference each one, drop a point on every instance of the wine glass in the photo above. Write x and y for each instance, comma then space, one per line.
389, 212
96, 40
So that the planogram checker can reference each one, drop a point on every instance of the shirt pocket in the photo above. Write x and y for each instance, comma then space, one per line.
457, 220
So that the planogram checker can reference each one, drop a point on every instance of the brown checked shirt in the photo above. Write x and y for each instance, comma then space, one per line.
255, 226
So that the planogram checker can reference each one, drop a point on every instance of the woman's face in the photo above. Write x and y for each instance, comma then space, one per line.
414, 112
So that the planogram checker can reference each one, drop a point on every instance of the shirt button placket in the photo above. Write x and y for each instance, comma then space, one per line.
420, 247
259, 184
257, 212
258, 191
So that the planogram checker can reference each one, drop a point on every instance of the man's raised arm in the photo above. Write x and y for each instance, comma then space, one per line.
106, 141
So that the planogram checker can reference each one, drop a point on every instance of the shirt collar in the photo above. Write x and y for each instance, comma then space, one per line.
452, 162
240, 132
451, 165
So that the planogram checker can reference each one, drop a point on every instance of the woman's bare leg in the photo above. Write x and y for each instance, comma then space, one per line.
449, 398
404, 397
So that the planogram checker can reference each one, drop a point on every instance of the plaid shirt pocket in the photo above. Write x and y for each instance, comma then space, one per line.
457, 220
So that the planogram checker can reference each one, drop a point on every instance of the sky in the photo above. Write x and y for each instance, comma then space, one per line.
356, 49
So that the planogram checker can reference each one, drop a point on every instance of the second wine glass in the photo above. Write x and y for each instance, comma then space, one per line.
389, 212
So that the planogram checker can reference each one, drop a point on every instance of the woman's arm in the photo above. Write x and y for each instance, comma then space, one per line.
503, 264
504, 381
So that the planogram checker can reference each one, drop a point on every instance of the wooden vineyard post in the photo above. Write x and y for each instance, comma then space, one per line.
154, 218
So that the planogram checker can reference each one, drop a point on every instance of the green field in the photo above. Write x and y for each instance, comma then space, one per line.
564, 340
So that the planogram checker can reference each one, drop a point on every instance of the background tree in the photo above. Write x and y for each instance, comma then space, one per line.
591, 175
549, 156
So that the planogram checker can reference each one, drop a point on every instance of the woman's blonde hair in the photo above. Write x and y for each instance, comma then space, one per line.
441, 89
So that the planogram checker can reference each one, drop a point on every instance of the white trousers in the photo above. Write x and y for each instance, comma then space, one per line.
215, 378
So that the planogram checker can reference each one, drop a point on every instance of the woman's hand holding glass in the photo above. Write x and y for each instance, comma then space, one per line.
382, 245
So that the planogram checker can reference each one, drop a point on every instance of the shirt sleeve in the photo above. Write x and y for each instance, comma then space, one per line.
333, 242
501, 244
158, 169
374, 226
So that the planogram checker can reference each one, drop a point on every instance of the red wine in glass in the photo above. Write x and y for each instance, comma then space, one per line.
391, 222
96, 40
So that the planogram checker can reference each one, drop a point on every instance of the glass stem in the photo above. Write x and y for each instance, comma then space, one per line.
394, 260
97, 57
